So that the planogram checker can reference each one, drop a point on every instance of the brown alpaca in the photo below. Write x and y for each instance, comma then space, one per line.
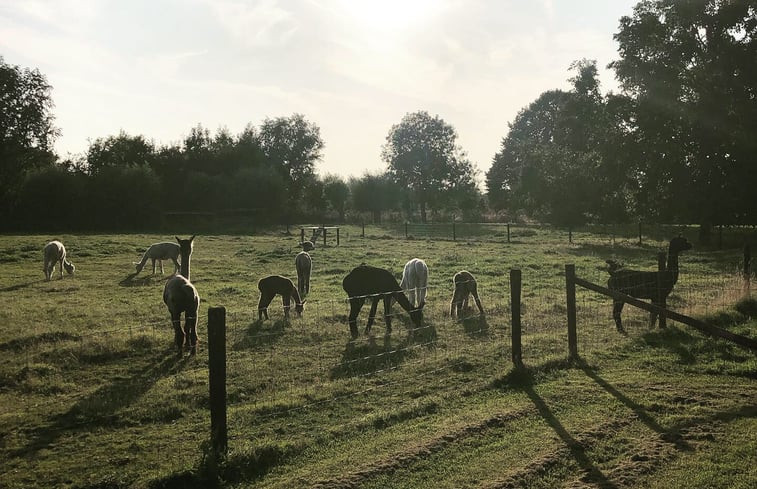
465, 285
274, 285
181, 297
304, 264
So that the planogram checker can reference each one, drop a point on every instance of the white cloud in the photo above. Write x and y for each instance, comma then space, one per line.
262, 23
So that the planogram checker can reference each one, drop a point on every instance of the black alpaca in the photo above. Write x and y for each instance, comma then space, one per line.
269, 287
655, 286
365, 282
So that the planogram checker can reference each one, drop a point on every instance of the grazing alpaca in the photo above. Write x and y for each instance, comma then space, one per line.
303, 264
181, 297
465, 285
655, 286
307, 245
366, 281
415, 281
55, 252
276, 284
159, 252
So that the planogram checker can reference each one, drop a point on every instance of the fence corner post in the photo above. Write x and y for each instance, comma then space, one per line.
515, 295
661, 299
570, 290
217, 378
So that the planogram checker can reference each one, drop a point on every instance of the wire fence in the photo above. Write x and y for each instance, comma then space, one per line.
280, 367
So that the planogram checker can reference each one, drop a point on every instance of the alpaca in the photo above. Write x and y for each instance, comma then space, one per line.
181, 297
367, 281
307, 245
465, 285
55, 252
159, 252
303, 264
415, 281
655, 286
276, 284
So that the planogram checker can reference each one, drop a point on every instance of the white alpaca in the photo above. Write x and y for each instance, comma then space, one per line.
54, 253
415, 281
159, 252
180, 296
303, 263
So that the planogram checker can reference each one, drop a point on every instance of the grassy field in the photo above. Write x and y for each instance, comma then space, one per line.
93, 395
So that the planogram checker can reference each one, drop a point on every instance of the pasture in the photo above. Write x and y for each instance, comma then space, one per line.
94, 396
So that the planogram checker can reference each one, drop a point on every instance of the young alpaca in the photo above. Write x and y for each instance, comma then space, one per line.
55, 252
366, 281
307, 245
655, 286
269, 287
303, 264
415, 281
181, 297
160, 252
465, 285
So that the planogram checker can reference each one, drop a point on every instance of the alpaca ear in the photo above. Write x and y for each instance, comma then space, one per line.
177, 239
192, 238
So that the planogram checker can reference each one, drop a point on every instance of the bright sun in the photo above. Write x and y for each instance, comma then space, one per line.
388, 15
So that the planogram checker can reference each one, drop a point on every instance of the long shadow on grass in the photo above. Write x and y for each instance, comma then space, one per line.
669, 435
131, 280
257, 336
11, 288
524, 379
476, 326
99, 409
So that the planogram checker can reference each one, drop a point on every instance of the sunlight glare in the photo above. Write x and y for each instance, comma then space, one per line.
388, 15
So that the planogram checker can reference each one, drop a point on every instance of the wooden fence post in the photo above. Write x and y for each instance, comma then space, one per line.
747, 268
570, 235
217, 378
405, 229
661, 299
454, 234
302, 235
570, 289
508, 233
363, 228
515, 288
337, 236
324, 235
639, 233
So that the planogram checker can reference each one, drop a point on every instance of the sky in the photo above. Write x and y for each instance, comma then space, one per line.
352, 67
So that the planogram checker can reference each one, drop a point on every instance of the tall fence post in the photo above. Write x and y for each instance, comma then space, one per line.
454, 233
324, 235
508, 233
337, 236
217, 378
515, 288
570, 292
363, 229
747, 268
661, 299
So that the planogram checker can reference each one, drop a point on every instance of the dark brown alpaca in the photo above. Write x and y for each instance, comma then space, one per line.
274, 285
465, 285
366, 282
181, 297
655, 286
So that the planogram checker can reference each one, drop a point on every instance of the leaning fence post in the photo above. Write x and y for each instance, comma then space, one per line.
570, 289
747, 268
217, 378
515, 287
661, 299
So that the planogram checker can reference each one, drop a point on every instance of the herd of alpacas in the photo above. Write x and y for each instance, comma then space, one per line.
362, 283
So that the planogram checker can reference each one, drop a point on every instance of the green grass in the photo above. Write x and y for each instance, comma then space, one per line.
94, 396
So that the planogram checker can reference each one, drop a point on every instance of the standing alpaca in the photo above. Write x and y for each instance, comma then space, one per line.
269, 287
307, 245
415, 281
160, 252
655, 286
303, 264
366, 281
465, 285
55, 252
181, 297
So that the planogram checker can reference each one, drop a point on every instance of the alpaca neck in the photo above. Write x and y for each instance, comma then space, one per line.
673, 265
184, 270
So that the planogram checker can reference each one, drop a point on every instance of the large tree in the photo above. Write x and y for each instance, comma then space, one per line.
27, 132
691, 69
422, 155
119, 151
292, 145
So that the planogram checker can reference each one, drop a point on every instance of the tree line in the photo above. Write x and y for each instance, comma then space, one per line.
675, 145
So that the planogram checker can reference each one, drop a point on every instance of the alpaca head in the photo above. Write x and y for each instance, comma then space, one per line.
307, 246
299, 308
679, 244
70, 268
185, 245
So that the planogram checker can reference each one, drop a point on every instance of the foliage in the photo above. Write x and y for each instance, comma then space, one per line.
422, 155
119, 151
337, 193
375, 193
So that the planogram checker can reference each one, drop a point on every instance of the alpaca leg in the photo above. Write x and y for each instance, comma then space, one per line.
191, 326
388, 313
307, 284
176, 266
411, 296
355, 306
161, 266
61, 268
265, 299
478, 302
617, 308
286, 301
178, 331
153, 265
372, 313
